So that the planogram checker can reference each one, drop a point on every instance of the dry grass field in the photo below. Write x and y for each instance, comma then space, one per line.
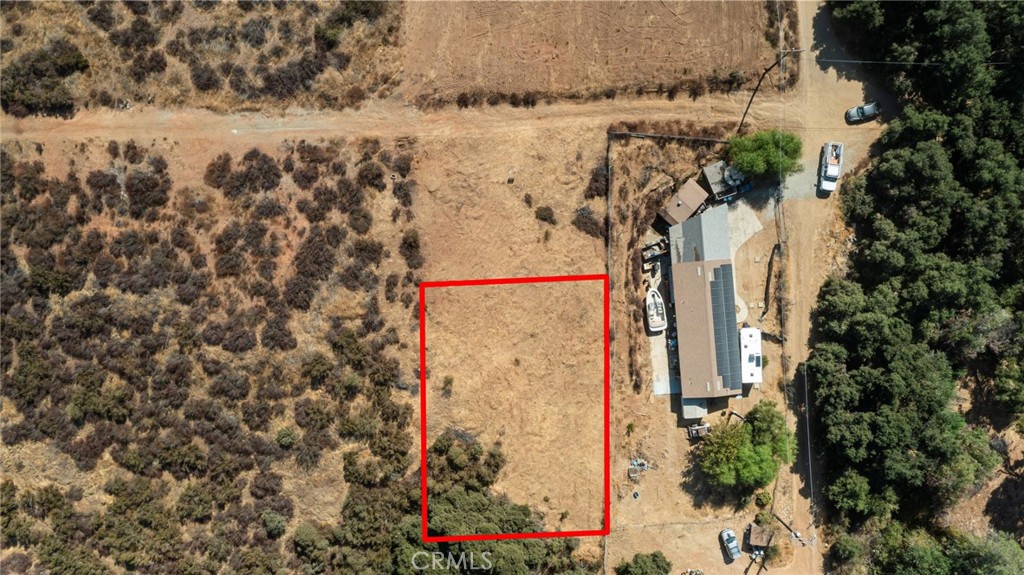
522, 365
577, 48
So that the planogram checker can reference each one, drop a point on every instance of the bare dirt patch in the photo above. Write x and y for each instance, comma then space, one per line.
522, 365
566, 48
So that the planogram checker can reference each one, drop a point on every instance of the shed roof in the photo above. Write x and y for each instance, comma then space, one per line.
759, 536
681, 205
721, 178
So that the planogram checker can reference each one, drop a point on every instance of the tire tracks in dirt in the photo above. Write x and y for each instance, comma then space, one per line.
381, 119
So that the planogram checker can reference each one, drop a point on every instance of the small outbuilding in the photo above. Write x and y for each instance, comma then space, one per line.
723, 181
685, 202
758, 537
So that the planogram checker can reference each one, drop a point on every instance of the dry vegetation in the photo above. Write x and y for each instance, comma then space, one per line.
206, 346
219, 55
524, 52
494, 372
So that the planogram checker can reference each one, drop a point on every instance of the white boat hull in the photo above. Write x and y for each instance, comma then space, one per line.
657, 320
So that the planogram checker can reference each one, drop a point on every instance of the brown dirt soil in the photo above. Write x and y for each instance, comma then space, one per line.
577, 47
528, 372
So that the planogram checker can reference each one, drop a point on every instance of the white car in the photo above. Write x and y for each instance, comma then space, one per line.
732, 545
831, 166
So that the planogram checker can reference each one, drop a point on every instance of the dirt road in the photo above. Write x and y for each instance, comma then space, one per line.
816, 236
383, 119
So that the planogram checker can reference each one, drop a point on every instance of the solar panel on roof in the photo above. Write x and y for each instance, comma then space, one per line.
723, 312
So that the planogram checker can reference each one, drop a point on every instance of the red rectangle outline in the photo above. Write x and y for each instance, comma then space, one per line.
606, 528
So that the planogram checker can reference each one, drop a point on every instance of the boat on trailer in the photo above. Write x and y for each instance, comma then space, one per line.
657, 319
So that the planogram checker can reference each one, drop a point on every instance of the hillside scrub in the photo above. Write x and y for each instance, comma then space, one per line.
141, 324
219, 55
37, 81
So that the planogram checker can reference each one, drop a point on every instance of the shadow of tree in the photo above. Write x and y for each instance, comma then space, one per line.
984, 408
829, 53
759, 197
1004, 506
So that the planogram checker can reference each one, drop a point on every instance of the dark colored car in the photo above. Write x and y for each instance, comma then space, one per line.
868, 111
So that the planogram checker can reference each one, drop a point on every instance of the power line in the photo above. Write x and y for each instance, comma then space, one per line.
898, 62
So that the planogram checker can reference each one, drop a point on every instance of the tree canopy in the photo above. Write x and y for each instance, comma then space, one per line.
934, 290
766, 153
746, 456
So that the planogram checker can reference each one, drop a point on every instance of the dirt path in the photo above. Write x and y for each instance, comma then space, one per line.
816, 236
383, 119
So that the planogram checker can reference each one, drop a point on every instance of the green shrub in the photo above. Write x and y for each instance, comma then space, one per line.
847, 549
286, 437
766, 153
645, 564
274, 524
195, 503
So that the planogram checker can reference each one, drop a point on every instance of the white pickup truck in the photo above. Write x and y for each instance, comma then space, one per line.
831, 166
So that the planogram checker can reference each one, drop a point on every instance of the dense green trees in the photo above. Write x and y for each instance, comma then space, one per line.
747, 456
934, 288
766, 153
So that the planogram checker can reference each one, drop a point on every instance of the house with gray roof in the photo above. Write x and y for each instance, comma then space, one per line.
704, 297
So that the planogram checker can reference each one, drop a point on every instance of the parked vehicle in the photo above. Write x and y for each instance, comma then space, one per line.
831, 166
859, 114
732, 545
698, 430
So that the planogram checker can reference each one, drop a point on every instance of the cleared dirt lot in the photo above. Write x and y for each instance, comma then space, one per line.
576, 47
526, 369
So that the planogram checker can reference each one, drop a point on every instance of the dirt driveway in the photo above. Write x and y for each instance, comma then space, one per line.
817, 238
